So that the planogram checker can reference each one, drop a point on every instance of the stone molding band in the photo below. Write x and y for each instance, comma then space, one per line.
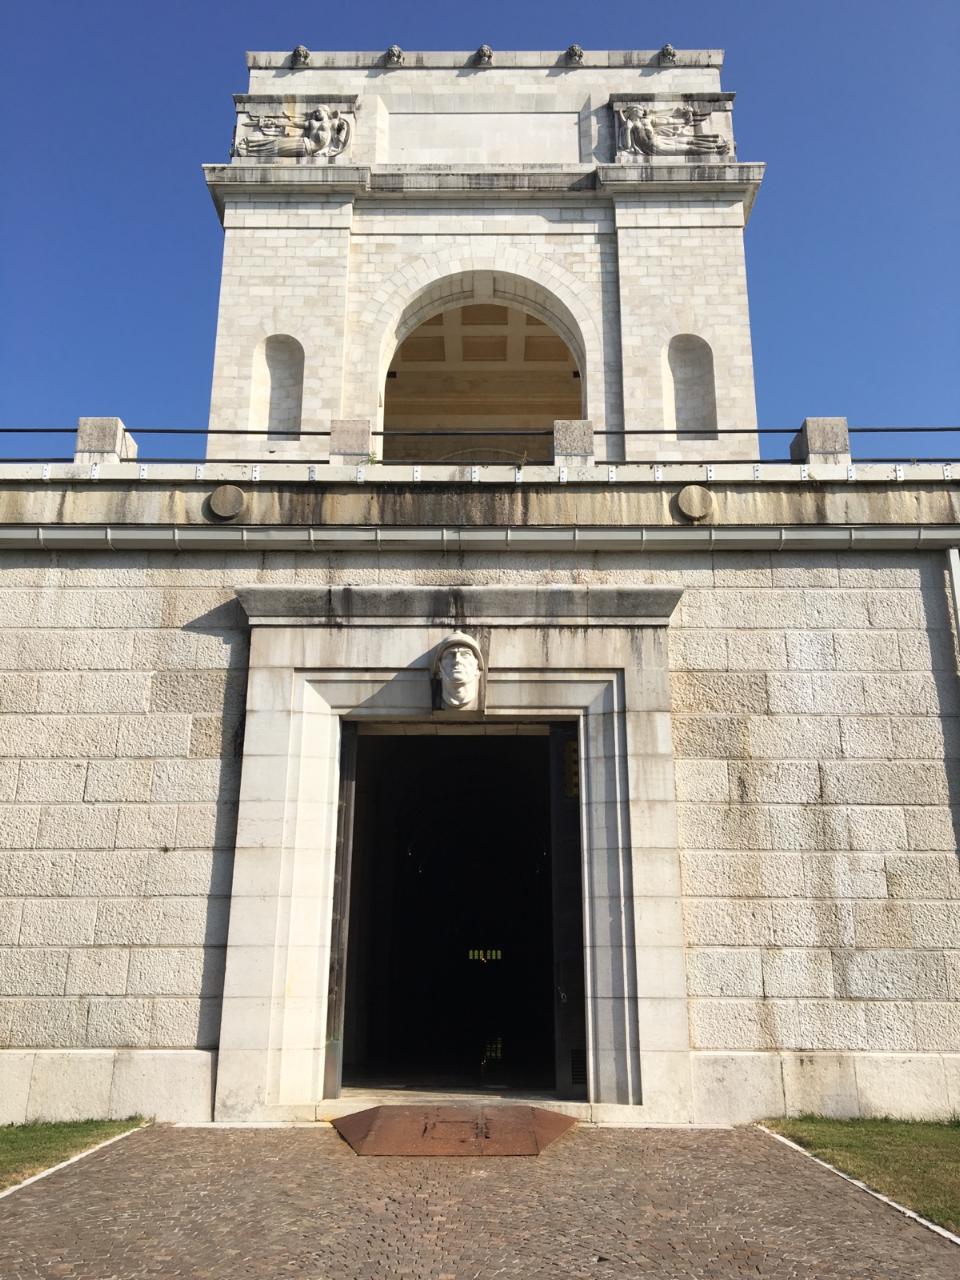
550, 605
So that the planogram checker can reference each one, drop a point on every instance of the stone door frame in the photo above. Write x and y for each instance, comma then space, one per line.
322, 655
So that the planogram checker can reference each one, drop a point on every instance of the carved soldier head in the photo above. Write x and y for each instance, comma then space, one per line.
575, 55
300, 56
458, 669
667, 55
484, 56
394, 56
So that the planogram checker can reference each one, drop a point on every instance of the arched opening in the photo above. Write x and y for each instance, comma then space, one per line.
689, 390
479, 379
276, 387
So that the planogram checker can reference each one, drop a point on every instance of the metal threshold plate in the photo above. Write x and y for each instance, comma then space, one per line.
463, 1130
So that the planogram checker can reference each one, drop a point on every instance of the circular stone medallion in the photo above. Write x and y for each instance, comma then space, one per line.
695, 501
227, 501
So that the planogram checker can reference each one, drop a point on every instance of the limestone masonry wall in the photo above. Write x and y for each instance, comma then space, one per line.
815, 724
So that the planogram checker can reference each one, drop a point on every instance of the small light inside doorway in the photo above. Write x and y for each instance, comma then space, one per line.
483, 954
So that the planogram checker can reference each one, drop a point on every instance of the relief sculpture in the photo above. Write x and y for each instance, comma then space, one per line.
642, 132
458, 674
324, 132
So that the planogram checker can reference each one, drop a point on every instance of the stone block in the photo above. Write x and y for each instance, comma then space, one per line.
174, 1086
69, 1086
58, 737
726, 924
57, 922
194, 922
881, 783
701, 780
61, 781
756, 651
712, 737
18, 693
922, 875
197, 691
815, 693
194, 780
889, 975
573, 440
9, 776
184, 1023
18, 826
880, 827
789, 973
103, 440
932, 827
119, 1022
743, 692
812, 924
108, 873
742, 875
810, 651
33, 971
884, 925
820, 1084
867, 651
724, 971
902, 1085
205, 826
16, 1068
11, 913
189, 871
866, 736
44, 873
698, 651
153, 736
736, 1088
803, 569
77, 826
718, 826
146, 826
126, 780
128, 921
845, 875
774, 782
821, 440
114, 691
176, 971
97, 971
935, 924
350, 440
39, 1023
796, 737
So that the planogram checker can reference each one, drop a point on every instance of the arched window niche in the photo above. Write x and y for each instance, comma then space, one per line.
276, 387
488, 364
689, 389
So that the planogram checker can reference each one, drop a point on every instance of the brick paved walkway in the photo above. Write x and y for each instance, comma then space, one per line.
269, 1203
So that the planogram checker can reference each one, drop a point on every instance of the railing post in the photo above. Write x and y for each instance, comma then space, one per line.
573, 442
822, 440
103, 440
349, 441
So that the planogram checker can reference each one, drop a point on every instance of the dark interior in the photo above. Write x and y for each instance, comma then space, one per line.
450, 955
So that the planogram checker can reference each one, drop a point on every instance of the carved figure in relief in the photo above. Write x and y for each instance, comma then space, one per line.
458, 671
324, 132
300, 56
667, 56
394, 56
666, 133
484, 56
575, 55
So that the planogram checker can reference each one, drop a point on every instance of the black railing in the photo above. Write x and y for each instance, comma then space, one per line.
510, 452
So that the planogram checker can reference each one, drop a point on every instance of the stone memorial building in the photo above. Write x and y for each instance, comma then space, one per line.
483, 712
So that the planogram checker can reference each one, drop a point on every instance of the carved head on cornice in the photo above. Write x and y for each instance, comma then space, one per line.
575, 55
394, 56
484, 56
300, 56
667, 55
458, 673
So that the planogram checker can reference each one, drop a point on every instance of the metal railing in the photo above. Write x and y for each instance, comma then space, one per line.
515, 453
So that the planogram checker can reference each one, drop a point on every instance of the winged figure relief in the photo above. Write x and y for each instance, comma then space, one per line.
666, 133
324, 132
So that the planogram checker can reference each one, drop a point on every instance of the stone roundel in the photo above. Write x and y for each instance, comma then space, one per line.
227, 501
695, 501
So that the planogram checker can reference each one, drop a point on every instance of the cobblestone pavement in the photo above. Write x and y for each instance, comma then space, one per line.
271, 1203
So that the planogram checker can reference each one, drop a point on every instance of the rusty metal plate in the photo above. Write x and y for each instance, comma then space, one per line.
462, 1130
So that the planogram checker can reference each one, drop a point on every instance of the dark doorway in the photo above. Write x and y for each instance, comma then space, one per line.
454, 911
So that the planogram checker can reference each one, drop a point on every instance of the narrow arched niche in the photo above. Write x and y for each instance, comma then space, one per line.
276, 386
482, 364
689, 389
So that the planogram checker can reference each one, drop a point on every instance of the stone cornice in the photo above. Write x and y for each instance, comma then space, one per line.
460, 605
504, 60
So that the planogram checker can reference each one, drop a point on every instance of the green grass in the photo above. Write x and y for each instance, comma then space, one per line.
26, 1149
913, 1162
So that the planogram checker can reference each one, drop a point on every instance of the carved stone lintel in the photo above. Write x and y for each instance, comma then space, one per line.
394, 56
322, 134
457, 671
574, 55
642, 132
300, 56
484, 56
667, 56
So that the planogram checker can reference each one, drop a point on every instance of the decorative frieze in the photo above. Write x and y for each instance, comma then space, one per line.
646, 127
318, 131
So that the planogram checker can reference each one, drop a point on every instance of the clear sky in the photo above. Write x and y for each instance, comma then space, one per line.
111, 246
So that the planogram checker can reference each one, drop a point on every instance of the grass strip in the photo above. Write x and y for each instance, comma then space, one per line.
26, 1149
916, 1163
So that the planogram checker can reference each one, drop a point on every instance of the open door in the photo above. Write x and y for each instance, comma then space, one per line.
339, 932
570, 1026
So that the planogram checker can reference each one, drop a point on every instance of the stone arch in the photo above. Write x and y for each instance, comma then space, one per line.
454, 277
689, 386
276, 386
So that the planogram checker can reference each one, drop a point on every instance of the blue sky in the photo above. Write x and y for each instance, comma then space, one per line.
111, 246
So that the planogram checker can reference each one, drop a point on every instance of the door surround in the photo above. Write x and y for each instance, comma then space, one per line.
321, 655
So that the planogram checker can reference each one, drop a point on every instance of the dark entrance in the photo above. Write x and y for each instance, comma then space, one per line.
464, 949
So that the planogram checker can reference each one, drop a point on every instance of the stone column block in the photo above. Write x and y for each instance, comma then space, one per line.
103, 440
350, 442
821, 440
573, 442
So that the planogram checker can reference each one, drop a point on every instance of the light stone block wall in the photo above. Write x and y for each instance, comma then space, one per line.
816, 733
